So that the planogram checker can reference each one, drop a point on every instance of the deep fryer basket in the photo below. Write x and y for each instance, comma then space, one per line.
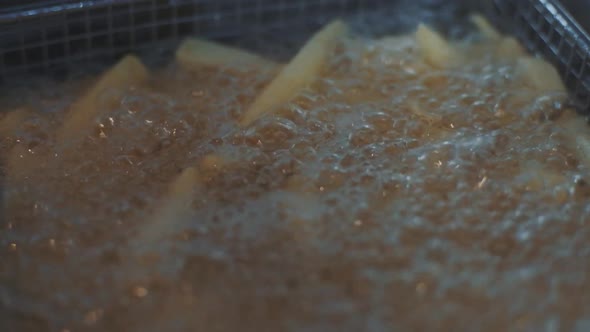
54, 35
547, 27
41, 35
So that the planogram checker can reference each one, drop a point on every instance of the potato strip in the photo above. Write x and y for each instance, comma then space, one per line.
436, 50
298, 74
540, 74
484, 27
197, 53
78, 122
174, 207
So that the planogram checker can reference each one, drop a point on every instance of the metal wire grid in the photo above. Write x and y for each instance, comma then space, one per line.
544, 26
37, 39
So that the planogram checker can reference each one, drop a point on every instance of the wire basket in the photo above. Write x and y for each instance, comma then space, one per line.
548, 28
52, 36
44, 35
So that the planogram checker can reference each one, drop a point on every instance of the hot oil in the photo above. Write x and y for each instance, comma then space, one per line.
388, 195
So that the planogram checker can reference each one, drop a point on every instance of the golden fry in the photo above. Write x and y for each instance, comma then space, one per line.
298, 74
436, 50
128, 71
396, 43
174, 208
510, 48
484, 27
197, 53
540, 74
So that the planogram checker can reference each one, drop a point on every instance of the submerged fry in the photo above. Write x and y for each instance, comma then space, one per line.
174, 207
128, 71
484, 27
509, 47
396, 43
436, 50
540, 74
196, 53
299, 73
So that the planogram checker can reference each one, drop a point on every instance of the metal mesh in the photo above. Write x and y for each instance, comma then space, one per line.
546, 27
41, 36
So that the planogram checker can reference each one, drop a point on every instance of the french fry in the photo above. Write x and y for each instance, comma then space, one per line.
128, 71
436, 50
484, 27
174, 207
540, 74
198, 53
298, 74
583, 147
510, 48
396, 43
393, 46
